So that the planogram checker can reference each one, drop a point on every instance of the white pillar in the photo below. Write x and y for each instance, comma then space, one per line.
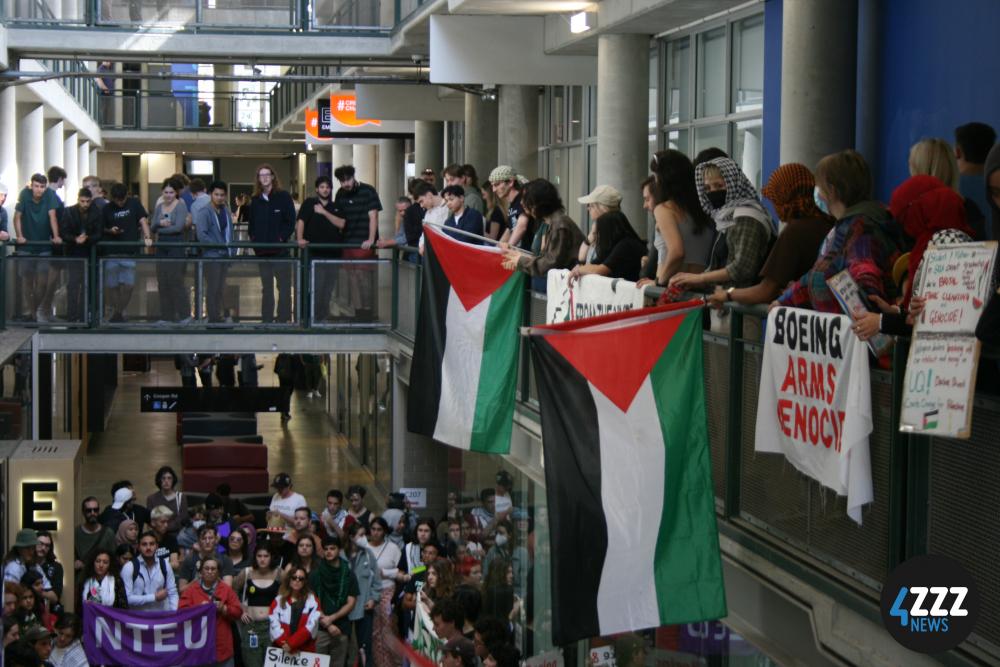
83, 156
92, 162
8, 148
622, 109
391, 174
71, 163
31, 143
364, 163
818, 78
481, 134
428, 140
517, 143
54, 147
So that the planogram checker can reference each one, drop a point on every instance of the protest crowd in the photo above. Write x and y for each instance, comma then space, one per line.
329, 575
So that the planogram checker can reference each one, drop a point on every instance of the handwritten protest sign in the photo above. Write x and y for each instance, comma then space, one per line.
940, 380
851, 301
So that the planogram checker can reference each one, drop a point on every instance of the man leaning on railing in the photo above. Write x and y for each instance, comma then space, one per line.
214, 225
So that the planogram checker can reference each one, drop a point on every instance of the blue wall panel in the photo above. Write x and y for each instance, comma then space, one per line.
772, 88
940, 68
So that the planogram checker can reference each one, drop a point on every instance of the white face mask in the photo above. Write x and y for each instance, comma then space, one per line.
361, 541
501, 539
196, 524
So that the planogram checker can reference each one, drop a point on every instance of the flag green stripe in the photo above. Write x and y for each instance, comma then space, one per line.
493, 423
688, 570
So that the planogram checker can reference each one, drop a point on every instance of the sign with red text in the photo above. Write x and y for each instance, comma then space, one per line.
814, 404
955, 281
940, 381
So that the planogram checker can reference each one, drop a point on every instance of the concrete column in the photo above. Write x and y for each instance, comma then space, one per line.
92, 162
517, 122
54, 131
71, 163
30, 142
428, 139
390, 183
364, 163
8, 148
622, 110
222, 112
481, 134
818, 78
83, 158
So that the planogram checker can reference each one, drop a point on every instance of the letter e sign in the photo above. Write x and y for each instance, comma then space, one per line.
30, 505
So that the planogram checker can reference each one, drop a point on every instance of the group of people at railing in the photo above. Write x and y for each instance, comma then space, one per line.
189, 220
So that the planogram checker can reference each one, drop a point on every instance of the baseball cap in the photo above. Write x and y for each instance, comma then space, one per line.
122, 496
462, 647
502, 173
604, 195
282, 481
213, 501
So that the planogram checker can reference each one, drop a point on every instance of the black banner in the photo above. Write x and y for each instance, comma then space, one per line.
324, 131
213, 399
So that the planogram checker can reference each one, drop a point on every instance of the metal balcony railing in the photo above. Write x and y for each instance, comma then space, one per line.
287, 96
83, 89
220, 112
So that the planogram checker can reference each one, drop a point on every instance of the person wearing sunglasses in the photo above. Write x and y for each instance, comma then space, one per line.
90, 536
295, 613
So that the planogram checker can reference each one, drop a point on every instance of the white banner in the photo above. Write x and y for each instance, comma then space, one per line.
815, 401
276, 657
589, 296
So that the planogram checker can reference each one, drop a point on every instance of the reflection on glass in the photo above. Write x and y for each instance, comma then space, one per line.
678, 95
679, 140
557, 115
747, 148
576, 113
748, 64
712, 73
711, 136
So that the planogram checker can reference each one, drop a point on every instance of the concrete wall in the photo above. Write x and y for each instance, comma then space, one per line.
109, 167
244, 169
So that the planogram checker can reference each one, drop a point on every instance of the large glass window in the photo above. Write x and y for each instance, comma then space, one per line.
569, 149
557, 116
576, 113
713, 83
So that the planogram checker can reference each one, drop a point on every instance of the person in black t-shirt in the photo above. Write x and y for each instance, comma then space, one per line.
319, 222
124, 219
618, 249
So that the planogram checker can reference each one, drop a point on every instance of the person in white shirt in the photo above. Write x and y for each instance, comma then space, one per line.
152, 587
285, 501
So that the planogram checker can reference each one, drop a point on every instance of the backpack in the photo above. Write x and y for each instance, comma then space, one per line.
135, 569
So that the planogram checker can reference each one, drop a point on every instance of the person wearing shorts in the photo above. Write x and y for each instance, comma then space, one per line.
35, 221
124, 220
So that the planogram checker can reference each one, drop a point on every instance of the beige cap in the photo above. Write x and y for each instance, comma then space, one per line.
605, 195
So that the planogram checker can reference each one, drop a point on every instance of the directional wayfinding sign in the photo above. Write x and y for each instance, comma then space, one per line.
212, 399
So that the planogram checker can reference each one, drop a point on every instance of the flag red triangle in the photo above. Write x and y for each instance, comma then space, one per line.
617, 360
474, 272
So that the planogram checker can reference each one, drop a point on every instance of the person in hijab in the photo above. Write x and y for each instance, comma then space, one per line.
931, 213
745, 230
803, 228
865, 241
128, 533
392, 517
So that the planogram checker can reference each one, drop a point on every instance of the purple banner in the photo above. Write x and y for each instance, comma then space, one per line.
149, 638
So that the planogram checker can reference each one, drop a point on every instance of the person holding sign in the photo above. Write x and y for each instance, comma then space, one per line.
866, 241
210, 589
931, 213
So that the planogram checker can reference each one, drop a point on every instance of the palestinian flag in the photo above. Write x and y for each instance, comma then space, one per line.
464, 373
628, 477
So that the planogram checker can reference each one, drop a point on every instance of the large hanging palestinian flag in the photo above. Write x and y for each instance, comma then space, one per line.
464, 374
628, 477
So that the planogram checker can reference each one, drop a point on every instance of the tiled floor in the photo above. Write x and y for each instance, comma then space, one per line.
137, 444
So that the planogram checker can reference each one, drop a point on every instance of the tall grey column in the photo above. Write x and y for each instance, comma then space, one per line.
31, 142
8, 147
71, 163
92, 162
818, 78
222, 114
517, 141
83, 158
481, 134
364, 163
54, 131
391, 173
428, 139
622, 119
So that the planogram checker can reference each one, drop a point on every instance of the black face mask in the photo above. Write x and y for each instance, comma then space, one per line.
717, 198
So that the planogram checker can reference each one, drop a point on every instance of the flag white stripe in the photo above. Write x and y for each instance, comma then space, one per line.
633, 460
460, 367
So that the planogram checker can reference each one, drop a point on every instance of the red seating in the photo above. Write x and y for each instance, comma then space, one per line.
240, 480
224, 454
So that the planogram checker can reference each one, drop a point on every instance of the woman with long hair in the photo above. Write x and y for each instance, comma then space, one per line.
440, 582
237, 549
294, 614
387, 556
257, 587
617, 249
410, 558
496, 217
305, 555
168, 223
101, 583
36, 610
167, 481
507, 547
683, 233
272, 221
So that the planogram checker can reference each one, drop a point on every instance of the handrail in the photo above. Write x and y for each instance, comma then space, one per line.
185, 111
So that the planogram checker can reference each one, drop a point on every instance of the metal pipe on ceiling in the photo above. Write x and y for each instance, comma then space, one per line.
18, 78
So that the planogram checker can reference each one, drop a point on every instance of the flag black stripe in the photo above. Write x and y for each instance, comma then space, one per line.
428, 348
578, 529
